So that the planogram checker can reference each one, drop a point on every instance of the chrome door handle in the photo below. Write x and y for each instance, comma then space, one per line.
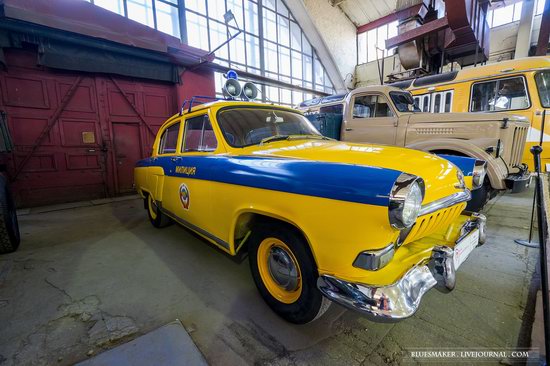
175, 159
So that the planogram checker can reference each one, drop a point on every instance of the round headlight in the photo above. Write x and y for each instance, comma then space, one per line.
406, 201
478, 174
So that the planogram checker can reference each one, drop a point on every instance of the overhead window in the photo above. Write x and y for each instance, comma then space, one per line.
499, 95
169, 139
500, 15
286, 56
371, 45
199, 135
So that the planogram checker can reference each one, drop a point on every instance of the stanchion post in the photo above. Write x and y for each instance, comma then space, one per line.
536, 151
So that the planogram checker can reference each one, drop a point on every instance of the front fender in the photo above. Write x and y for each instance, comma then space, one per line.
496, 168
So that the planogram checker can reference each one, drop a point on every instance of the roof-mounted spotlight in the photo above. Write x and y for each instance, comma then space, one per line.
250, 91
232, 89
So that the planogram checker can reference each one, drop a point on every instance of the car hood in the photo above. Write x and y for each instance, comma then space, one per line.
439, 175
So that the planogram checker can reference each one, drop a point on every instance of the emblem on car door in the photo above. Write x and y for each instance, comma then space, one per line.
184, 196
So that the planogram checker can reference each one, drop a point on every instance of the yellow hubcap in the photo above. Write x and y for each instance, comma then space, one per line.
152, 207
279, 270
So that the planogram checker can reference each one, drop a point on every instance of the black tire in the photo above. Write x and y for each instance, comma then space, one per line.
157, 218
310, 304
480, 197
10, 237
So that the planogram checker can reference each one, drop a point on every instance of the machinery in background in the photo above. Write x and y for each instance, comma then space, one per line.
436, 32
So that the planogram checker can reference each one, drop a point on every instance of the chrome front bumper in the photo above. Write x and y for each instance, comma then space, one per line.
401, 299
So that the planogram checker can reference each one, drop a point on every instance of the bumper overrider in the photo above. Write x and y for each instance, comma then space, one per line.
519, 182
401, 299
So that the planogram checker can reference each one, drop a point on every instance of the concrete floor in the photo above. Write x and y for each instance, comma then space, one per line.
86, 279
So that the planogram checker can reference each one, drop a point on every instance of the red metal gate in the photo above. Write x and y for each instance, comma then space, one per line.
77, 136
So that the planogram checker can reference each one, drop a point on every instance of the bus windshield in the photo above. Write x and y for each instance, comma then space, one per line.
543, 85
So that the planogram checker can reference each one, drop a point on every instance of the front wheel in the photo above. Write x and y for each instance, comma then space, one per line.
285, 273
157, 218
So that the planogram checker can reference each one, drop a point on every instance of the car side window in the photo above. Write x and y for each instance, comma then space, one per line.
370, 106
199, 135
169, 139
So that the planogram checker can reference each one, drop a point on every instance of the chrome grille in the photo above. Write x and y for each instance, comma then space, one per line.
518, 145
428, 224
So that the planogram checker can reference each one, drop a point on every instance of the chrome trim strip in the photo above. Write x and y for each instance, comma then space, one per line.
401, 299
190, 226
445, 202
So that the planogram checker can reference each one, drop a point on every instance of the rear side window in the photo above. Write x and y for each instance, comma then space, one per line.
499, 95
169, 139
448, 99
437, 103
199, 135
426, 104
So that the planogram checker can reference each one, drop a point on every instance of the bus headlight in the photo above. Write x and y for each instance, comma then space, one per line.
405, 201
479, 173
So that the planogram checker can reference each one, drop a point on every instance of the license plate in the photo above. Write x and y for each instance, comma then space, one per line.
465, 246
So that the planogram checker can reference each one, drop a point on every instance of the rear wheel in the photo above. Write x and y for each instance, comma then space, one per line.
157, 218
285, 273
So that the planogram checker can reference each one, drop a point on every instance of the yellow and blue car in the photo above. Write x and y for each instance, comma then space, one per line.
370, 227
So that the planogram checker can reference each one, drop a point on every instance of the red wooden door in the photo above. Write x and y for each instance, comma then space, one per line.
127, 151
78, 136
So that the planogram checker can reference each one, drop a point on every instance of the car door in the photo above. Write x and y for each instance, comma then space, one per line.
190, 193
372, 119
167, 157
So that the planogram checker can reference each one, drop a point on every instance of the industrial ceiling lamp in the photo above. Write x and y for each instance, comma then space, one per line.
227, 18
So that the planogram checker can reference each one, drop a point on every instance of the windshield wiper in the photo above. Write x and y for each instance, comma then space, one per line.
274, 138
314, 137
293, 137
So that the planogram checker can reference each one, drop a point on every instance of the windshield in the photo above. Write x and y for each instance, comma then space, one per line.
404, 102
252, 126
543, 85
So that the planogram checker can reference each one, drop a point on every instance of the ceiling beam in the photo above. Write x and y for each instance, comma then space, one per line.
398, 15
